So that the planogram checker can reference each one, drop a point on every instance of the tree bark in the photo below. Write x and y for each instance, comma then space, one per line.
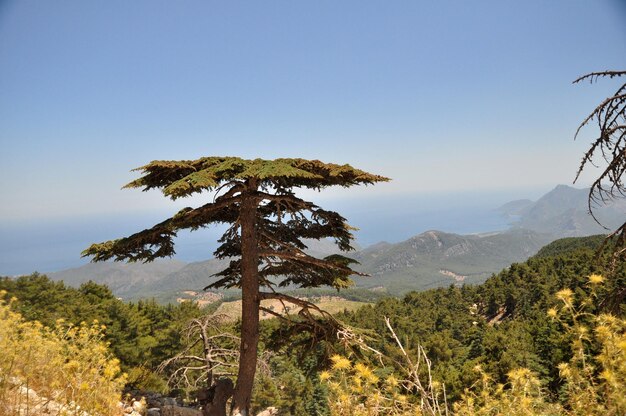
220, 392
250, 301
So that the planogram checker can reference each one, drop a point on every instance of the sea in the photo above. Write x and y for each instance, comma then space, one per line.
49, 245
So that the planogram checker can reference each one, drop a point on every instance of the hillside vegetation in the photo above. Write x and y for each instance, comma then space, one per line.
141, 335
501, 325
510, 342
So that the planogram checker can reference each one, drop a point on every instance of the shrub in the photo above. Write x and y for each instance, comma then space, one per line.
594, 378
64, 370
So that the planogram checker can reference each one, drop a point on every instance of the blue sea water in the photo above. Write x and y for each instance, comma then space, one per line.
52, 245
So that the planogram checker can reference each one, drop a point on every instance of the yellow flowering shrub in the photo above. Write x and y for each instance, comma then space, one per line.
521, 396
356, 390
66, 370
594, 378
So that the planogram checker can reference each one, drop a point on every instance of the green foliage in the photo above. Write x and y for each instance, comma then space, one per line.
141, 334
501, 325
493, 347
513, 359
594, 377
146, 379
566, 245
186, 177
292, 386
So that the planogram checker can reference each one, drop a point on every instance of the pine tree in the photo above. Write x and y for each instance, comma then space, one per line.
267, 226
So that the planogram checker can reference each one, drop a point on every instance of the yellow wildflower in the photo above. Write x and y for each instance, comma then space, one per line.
603, 331
372, 378
609, 376
596, 279
362, 370
392, 381
565, 295
340, 363
564, 370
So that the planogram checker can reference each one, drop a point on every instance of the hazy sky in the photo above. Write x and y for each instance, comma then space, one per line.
438, 95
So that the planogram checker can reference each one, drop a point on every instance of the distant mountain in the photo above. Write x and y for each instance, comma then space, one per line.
563, 212
435, 258
515, 208
431, 259
161, 279
195, 276
427, 260
126, 280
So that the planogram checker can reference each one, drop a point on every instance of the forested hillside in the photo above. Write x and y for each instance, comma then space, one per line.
500, 326
141, 334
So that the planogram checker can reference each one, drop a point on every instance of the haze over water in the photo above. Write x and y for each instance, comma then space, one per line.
54, 245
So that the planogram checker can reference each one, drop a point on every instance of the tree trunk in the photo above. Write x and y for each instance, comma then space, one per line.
221, 392
250, 303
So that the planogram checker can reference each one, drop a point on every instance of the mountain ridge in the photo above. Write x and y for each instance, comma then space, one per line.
428, 259
564, 212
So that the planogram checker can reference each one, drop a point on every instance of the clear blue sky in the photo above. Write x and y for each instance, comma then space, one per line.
438, 95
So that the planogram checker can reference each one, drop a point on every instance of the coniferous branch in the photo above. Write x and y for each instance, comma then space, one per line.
157, 241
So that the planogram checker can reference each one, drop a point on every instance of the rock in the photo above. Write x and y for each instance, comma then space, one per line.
168, 401
154, 400
179, 411
270, 411
29, 394
153, 411
139, 406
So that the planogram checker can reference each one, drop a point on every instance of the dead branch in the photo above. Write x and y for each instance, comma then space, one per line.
610, 145
429, 395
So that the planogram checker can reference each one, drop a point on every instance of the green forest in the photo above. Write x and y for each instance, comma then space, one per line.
546, 336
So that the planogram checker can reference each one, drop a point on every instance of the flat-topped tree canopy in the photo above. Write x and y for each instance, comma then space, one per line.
268, 182
268, 225
185, 177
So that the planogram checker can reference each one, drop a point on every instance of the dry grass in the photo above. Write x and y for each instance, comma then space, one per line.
331, 304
